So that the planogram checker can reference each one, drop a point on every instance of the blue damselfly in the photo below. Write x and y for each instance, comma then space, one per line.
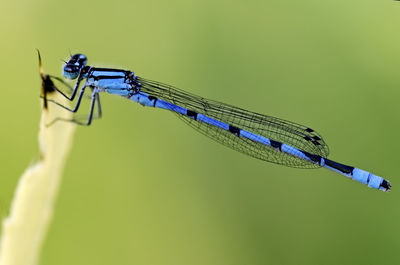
264, 137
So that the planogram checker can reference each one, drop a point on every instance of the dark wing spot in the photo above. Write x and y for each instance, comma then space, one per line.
307, 138
316, 143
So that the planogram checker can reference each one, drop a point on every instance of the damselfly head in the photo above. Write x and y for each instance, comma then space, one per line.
74, 66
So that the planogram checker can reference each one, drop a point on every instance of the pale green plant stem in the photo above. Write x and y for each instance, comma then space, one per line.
32, 207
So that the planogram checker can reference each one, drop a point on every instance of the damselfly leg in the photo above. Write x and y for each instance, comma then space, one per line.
83, 119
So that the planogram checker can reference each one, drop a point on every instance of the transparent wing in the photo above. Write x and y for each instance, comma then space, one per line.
290, 133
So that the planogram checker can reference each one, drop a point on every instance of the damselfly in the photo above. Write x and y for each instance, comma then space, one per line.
260, 136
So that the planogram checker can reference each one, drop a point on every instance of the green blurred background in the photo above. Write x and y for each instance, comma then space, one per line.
141, 187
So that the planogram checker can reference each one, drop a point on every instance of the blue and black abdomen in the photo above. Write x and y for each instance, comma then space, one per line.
263, 137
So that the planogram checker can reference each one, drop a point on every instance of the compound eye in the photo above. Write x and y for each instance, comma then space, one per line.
82, 60
71, 71
70, 68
